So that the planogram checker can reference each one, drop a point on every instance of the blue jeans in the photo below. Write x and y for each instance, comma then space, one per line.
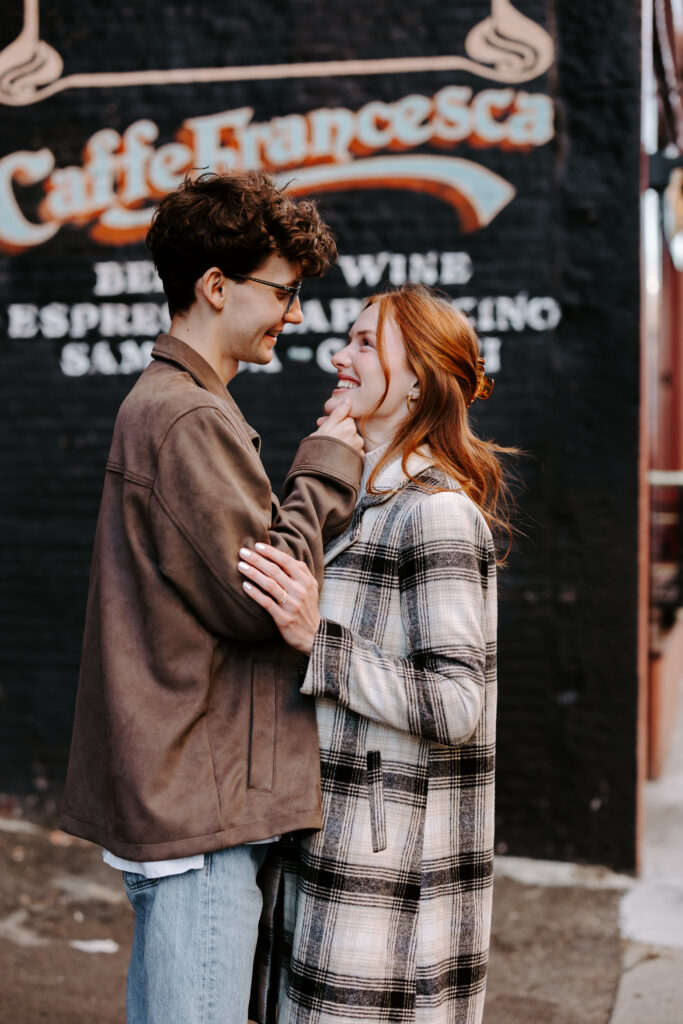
194, 941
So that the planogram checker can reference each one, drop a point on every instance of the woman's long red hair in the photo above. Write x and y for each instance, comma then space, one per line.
442, 350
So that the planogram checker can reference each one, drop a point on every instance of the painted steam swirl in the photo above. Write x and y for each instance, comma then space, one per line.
516, 47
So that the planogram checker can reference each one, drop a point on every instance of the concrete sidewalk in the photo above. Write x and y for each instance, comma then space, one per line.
578, 945
556, 948
651, 913
570, 944
559, 955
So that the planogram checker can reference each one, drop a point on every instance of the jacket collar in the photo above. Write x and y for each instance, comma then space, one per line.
173, 350
391, 479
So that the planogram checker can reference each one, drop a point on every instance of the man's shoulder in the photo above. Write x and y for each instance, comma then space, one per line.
165, 401
163, 394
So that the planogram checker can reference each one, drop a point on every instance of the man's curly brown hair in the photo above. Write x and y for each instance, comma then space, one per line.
234, 222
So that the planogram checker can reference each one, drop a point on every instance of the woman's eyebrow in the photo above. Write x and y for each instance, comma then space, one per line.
362, 334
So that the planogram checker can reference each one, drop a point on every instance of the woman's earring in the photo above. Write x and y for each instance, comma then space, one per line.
412, 396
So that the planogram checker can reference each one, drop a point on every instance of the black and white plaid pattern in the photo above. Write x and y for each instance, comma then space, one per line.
387, 910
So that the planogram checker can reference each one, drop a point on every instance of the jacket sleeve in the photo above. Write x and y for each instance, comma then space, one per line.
211, 496
446, 563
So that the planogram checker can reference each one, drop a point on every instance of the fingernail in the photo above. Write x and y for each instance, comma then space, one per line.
260, 546
242, 565
247, 586
244, 552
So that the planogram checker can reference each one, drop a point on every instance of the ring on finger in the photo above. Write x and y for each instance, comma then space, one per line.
283, 599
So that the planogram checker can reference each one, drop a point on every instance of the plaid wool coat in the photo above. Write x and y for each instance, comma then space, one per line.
387, 910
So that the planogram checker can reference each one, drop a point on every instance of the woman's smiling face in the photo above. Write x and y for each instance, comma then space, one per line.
360, 377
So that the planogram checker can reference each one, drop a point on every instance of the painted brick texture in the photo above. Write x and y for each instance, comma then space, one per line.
552, 280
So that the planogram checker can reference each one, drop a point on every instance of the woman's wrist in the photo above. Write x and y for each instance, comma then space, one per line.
307, 644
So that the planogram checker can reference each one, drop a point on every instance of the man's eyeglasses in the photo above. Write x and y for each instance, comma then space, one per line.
292, 289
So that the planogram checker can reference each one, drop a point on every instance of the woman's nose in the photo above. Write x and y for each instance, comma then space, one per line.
342, 357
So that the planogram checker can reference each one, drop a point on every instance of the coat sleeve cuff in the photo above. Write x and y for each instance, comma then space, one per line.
322, 671
327, 457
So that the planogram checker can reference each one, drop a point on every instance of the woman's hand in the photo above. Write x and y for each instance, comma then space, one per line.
287, 589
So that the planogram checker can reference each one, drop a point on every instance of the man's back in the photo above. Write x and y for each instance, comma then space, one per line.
191, 739
185, 677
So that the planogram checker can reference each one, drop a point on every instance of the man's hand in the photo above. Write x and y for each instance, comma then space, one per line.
340, 425
286, 589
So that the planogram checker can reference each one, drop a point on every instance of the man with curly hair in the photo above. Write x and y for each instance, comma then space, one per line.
192, 746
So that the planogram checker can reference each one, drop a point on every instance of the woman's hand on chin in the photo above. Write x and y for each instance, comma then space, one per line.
287, 589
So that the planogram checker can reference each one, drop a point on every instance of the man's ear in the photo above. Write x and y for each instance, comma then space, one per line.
212, 286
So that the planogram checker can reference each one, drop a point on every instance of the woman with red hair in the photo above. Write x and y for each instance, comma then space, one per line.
387, 910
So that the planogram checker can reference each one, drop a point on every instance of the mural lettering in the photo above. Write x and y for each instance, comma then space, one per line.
323, 150
110, 338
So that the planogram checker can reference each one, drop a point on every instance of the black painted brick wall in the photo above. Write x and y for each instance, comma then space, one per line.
567, 396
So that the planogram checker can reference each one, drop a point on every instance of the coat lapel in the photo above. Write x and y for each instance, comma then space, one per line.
390, 480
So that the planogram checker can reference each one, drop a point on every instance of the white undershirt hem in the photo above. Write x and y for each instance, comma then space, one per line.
165, 868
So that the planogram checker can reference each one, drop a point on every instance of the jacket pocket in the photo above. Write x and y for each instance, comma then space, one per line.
375, 782
263, 725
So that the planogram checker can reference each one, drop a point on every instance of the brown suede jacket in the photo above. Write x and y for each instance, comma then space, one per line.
190, 734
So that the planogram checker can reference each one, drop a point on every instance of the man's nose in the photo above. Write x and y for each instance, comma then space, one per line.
294, 315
